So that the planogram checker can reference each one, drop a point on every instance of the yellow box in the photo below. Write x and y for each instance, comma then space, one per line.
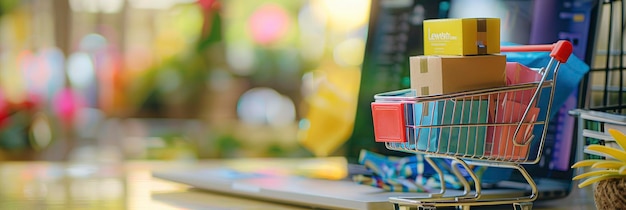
436, 75
462, 36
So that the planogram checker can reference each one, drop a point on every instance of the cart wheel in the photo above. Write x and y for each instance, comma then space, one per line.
523, 206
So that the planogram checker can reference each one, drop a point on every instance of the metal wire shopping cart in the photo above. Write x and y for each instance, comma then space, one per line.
500, 127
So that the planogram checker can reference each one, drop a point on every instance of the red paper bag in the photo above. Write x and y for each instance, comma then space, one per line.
517, 73
500, 138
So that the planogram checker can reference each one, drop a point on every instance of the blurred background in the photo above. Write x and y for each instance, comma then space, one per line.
104, 81
112, 80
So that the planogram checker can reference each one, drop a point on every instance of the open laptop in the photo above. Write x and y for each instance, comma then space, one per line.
391, 23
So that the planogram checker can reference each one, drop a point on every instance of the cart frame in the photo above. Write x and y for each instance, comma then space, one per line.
482, 118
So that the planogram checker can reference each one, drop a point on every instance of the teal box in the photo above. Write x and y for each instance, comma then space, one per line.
456, 137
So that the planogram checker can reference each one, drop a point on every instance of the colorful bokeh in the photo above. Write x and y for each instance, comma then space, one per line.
246, 73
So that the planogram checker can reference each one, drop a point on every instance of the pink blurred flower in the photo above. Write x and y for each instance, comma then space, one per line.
4, 110
209, 4
66, 105
268, 24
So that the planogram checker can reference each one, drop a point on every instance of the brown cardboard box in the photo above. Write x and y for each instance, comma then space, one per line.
435, 75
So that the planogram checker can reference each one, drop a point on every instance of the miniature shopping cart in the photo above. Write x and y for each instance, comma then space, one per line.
499, 127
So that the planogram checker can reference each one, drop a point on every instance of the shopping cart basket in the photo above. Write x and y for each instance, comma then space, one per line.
500, 127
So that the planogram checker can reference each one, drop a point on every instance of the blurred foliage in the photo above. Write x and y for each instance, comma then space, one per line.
215, 35
15, 123
176, 146
181, 80
14, 136
7, 5
227, 146
154, 92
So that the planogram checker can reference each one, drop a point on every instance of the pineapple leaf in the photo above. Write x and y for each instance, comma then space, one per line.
622, 170
594, 173
584, 163
609, 164
609, 152
619, 137
597, 179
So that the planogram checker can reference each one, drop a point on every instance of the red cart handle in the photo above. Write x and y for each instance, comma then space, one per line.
561, 50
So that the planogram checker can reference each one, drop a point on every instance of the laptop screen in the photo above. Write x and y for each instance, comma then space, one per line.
395, 33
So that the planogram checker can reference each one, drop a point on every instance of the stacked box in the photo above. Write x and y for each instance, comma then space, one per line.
460, 55
436, 75
462, 36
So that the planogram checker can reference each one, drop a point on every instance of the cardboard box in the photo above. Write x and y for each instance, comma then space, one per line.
463, 36
463, 140
500, 139
517, 73
434, 75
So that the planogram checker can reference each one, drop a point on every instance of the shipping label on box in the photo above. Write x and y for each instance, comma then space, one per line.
455, 137
462, 36
436, 75
501, 139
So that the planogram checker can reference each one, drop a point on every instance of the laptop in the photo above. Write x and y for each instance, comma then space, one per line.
390, 23
231, 178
